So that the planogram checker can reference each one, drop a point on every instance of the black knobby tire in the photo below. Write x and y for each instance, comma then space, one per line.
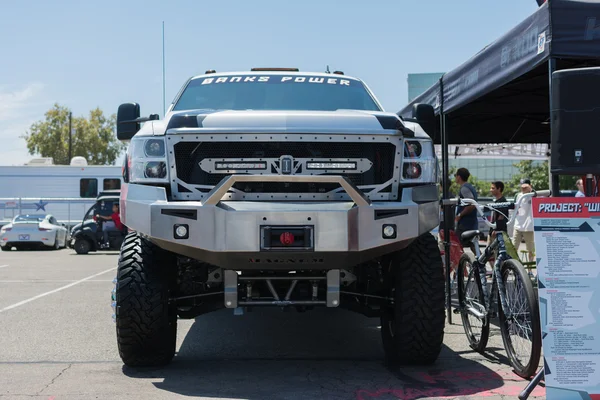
146, 321
82, 246
412, 328
478, 338
531, 310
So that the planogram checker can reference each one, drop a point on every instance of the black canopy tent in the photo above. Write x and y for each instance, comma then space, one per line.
502, 94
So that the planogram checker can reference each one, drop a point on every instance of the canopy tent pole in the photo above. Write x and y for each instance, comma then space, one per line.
448, 218
554, 181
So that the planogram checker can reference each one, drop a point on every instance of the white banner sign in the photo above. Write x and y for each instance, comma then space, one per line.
567, 242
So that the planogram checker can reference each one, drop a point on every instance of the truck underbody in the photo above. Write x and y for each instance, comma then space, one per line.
204, 288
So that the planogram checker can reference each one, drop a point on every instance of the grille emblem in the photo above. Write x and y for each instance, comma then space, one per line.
286, 165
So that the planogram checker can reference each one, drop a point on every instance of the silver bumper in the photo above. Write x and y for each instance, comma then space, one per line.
231, 234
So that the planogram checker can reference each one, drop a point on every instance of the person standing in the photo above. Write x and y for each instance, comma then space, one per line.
523, 228
580, 192
466, 216
499, 215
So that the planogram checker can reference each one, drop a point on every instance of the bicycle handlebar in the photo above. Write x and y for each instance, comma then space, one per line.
495, 206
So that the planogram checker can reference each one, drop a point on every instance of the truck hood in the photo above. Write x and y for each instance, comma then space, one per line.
340, 121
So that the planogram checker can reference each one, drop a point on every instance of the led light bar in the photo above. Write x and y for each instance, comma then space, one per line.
220, 165
330, 165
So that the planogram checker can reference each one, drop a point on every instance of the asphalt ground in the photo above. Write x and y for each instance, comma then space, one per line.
57, 341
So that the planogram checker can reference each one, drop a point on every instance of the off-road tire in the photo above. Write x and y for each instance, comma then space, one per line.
412, 328
146, 321
82, 246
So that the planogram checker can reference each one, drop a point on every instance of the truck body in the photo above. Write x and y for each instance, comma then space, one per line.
285, 189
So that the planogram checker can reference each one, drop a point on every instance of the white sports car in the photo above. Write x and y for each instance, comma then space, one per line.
33, 230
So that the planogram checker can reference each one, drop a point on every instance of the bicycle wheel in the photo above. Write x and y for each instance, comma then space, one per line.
521, 331
472, 301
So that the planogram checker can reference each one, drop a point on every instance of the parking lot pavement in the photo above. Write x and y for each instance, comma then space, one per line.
57, 341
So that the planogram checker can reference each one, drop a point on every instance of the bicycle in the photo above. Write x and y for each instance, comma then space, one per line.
475, 299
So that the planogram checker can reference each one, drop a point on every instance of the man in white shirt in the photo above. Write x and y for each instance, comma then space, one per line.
523, 228
579, 185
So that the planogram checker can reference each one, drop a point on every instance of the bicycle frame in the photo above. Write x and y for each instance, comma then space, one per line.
481, 260
505, 250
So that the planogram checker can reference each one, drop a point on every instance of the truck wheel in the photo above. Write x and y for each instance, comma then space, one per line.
412, 328
146, 322
82, 246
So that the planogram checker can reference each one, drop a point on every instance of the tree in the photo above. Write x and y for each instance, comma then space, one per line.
94, 137
538, 174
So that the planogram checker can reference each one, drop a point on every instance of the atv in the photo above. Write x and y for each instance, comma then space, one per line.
87, 236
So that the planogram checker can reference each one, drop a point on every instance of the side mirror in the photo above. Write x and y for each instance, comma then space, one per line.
424, 114
127, 124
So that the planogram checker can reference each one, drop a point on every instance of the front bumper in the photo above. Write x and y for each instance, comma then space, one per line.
231, 234
31, 238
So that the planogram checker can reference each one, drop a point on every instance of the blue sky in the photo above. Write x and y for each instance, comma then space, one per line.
85, 54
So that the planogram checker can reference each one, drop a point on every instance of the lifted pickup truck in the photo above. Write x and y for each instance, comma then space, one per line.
273, 187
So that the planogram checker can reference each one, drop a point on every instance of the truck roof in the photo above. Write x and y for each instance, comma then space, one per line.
275, 72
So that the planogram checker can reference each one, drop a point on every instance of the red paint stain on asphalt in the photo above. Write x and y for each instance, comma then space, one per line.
450, 378
445, 393
469, 376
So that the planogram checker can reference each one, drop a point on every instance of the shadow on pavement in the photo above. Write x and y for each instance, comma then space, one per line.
105, 253
323, 354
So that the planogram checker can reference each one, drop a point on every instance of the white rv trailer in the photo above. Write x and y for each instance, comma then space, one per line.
65, 191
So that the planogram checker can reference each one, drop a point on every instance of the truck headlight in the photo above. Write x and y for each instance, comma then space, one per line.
148, 160
154, 148
419, 163
412, 170
155, 169
412, 149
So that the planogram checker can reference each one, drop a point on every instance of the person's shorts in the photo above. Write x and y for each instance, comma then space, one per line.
526, 236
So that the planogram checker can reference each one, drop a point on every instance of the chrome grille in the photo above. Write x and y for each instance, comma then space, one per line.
193, 163
188, 156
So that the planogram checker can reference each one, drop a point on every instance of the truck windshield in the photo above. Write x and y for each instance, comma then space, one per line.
276, 92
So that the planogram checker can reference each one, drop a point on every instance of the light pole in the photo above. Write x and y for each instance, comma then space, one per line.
70, 134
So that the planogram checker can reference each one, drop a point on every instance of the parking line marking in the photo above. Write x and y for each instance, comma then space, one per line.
55, 290
2, 266
52, 281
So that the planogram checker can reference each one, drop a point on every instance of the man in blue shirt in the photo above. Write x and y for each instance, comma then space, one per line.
466, 216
